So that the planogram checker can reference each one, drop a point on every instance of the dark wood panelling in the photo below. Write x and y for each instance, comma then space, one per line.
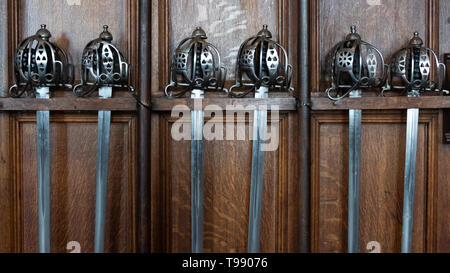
227, 23
6, 187
382, 165
6, 203
73, 159
4, 58
444, 27
69, 104
73, 24
227, 163
224, 20
143, 154
443, 197
227, 189
381, 103
284, 103
72, 31
388, 26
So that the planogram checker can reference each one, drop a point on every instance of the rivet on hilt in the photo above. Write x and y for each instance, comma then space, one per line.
43, 26
416, 34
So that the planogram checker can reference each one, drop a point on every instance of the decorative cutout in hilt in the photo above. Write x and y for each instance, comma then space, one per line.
260, 63
196, 65
355, 65
103, 65
40, 63
415, 67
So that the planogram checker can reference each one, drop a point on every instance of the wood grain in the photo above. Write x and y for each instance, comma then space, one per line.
144, 152
66, 15
388, 26
6, 187
171, 24
227, 23
227, 163
4, 58
443, 196
227, 189
382, 163
73, 156
68, 104
381, 103
444, 27
167, 104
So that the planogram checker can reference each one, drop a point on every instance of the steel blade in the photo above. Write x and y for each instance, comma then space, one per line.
354, 179
197, 119
257, 175
43, 163
410, 171
104, 125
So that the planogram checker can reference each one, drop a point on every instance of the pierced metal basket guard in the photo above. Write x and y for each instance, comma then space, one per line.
196, 64
259, 61
40, 63
355, 65
103, 65
413, 66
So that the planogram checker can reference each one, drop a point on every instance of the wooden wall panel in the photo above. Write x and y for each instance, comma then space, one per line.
388, 25
73, 23
382, 167
227, 190
67, 21
444, 27
6, 237
227, 163
227, 23
443, 197
73, 160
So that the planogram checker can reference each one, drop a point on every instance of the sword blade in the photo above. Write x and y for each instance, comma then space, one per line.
104, 125
257, 175
354, 179
197, 181
197, 184
410, 171
43, 163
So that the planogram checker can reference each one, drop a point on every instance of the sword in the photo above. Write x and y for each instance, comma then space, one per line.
196, 66
103, 66
39, 64
104, 124
197, 119
354, 163
412, 65
261, 64
257, 175
43, 162
410, 171
355, 66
